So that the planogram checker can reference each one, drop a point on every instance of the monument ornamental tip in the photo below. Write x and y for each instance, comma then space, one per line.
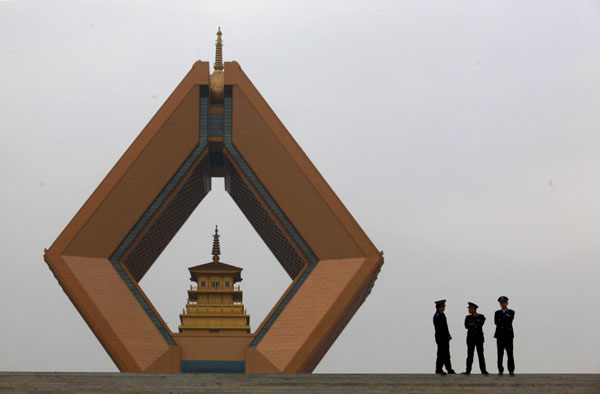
215, 125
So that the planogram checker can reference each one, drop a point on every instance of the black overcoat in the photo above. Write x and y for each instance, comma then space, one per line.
441, 327
474, 326
504, 321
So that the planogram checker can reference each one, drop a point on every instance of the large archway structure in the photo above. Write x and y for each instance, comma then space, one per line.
120, 231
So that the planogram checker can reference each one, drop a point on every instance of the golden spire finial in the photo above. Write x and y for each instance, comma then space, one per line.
219, 55
216, 246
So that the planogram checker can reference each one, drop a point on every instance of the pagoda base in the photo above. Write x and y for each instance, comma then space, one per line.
213, 352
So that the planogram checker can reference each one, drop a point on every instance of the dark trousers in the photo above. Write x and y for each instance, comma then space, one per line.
443, 356
470, 351
505, 344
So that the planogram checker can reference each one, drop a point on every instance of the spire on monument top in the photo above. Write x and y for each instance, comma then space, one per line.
217, 79
216, 251
219, 54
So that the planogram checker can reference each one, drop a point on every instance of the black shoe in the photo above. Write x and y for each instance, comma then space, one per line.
500, 373
466, 373
440, 372
512, 373
484, 372
451, 372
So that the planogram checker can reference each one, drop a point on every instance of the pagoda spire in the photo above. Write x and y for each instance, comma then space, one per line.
219, 54
216, 251
217, 79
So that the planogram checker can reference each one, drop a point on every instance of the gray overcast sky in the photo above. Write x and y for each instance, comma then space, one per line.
464, 137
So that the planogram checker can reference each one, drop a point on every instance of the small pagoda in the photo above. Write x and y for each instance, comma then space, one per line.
214, 301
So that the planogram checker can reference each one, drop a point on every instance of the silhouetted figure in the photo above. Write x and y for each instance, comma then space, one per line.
504, 335
474, 325
442, 338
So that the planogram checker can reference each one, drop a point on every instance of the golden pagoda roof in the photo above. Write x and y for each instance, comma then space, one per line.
216, 266
212, 267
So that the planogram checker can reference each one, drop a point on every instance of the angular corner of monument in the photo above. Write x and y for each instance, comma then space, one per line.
169, 362
256, 362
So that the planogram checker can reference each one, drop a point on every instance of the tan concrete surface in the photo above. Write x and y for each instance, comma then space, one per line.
20, 382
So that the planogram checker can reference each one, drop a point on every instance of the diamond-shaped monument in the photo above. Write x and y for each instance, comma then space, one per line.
215, 126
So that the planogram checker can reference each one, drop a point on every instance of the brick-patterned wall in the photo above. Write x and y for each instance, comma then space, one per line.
117, 305
168, 222
263, 223
358, 300
306, 310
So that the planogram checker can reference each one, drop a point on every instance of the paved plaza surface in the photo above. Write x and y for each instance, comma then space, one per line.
20, 382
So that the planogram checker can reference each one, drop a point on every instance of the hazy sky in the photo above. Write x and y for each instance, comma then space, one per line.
464, 137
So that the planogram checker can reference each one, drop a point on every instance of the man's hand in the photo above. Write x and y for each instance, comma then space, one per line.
449, 338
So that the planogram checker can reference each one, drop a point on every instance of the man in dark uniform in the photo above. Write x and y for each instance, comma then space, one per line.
474, 325
504, 335
442, 338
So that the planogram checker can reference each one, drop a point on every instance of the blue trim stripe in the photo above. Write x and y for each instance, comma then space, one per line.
197, 366
203, 140
153, 208
228, 142
215, 128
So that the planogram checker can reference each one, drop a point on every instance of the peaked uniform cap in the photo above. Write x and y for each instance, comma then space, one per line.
502, 299
472, 305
